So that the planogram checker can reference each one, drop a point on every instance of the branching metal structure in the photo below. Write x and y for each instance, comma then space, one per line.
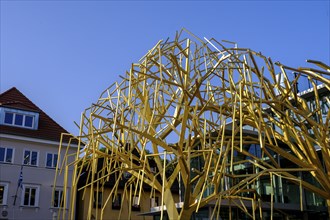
191, 101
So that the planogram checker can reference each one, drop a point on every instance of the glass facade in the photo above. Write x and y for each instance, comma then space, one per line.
277, 188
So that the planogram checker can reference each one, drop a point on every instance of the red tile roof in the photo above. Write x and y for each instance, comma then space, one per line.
48, 129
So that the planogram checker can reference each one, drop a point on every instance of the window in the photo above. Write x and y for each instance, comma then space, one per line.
30, 158
154, 202
9, 118
6, 155
97, 199
325, 105
30, 195
116, 202
3, 193
135, 204
51, 160
28, 121
58, 199
19, 118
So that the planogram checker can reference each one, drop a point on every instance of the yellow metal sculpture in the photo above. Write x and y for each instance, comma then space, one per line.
220, 118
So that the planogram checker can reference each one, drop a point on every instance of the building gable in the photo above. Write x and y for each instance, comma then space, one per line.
46, 129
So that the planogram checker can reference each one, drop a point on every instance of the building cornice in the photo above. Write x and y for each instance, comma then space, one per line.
34, 140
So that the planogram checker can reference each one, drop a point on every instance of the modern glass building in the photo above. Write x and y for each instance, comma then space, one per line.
289, 199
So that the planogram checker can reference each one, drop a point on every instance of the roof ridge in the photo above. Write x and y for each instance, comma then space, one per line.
8, 90
25, 101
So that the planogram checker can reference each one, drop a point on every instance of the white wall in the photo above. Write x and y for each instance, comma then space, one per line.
36, 175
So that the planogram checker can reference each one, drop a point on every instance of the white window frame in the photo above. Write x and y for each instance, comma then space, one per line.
30, 157
13, 156
135, 204
61, 190
154, 201
30, 186
52, 160
34, 115
5, 193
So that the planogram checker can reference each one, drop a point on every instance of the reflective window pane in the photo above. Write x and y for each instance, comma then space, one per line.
18, 119
56, 198
26, 157
9, 118
49, 160
55, 160
26, 196
28, 121
33, 197
9, 155
2, 154
2, 193
34, 158
61, 199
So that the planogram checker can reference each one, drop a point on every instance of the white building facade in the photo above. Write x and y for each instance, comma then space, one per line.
29, 154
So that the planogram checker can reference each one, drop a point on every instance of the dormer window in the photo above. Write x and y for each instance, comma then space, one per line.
19, 118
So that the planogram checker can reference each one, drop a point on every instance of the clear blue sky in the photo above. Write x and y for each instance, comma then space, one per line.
63, 54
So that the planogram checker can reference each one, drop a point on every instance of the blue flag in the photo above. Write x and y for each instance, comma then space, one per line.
19, 183
20, 179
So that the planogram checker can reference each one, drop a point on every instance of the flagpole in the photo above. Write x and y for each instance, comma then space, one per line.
19, 184
20, 178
